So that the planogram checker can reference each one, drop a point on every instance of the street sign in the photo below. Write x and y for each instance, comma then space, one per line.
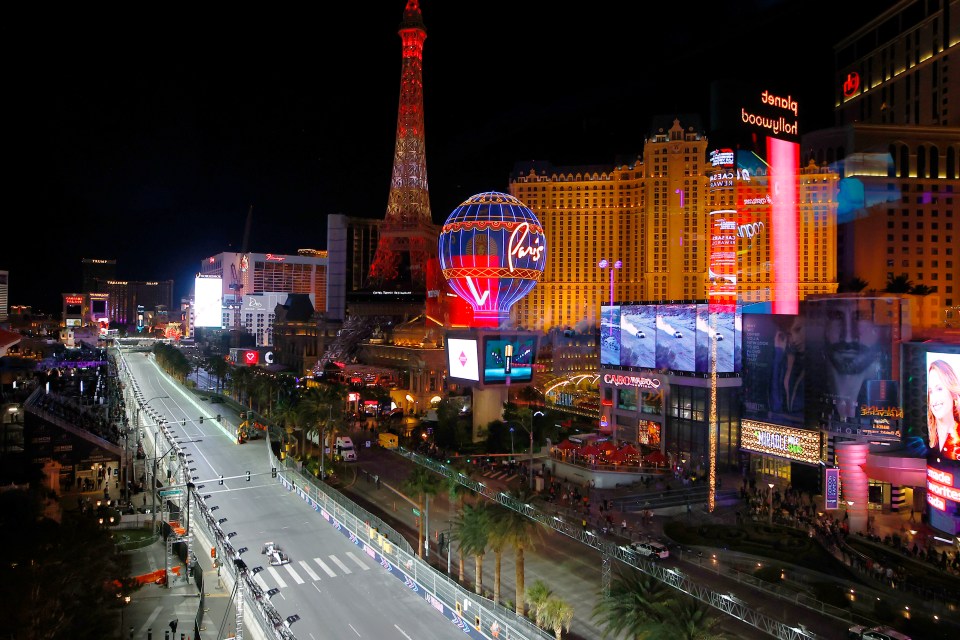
165, 493
416, 512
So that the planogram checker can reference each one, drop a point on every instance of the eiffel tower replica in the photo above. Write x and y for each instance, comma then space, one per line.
398, 283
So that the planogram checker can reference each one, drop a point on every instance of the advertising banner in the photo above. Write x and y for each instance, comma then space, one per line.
831, 482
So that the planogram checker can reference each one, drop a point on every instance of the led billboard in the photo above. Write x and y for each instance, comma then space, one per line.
462, 359
638, 335
677, 337
774, 373
850, 347
943, 406
508, 358
208, 302
610, 334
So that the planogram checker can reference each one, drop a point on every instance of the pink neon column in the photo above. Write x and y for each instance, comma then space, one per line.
854, 484
784, 158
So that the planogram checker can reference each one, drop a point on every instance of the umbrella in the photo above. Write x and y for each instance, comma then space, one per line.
629, 450
656, 457
616, 456
566, 445
591, 450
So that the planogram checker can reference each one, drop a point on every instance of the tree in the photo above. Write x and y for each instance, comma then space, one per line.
519, 532
922, 290
898, 284
855, 285
683, 617
629, 608
424, 483
240, 378
323, 410
218, 366
549, 611
471, 527
498, 542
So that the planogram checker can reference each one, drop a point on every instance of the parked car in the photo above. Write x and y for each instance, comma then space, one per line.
652, 550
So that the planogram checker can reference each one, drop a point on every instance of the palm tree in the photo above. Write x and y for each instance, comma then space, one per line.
549, 611
472, 531
899, 284
424, 483
322, 405
922, 290
685, 618
519, 532
498, 542
218, 367
855, 284
241, 378
630, 607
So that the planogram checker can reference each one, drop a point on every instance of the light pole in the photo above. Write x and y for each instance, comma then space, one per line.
604, 264
771, 501
512, 452
136, 425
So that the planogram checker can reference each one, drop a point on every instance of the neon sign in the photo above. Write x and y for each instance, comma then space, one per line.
940, 476
492, 252
886, 412
275, 258
796, 444
851, 84
73, 299
619, 380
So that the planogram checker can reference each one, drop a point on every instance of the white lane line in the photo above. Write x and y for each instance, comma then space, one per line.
358, 561
276, 576
296, 577
310, 572
259, 580
323, 565
354, 630
403, 632
340, 564
149, 622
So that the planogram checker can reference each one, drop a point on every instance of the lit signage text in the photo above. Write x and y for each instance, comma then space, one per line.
721, 180
936, 502
796, 444
940, 476
619, 380
943, 491
886, 412
775, 125
74, 299
275, 258
851, 85
761, 200
832, 482
519, 238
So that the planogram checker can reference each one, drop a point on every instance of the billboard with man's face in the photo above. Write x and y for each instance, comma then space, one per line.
850, 346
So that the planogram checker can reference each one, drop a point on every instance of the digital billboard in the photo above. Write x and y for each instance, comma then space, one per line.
850, 347
610, 334
508, 357
774, 372
677, 337
462, 359
208, 302
943, 406
638, 335
674, 336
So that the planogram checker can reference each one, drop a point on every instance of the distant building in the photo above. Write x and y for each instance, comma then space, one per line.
300, 334
133, 304
93, 270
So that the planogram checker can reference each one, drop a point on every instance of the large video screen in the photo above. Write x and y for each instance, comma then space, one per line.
943, 406
638, 335
850, 347
774, 375
508, 356
677, 337
462, 359
610, 334
208, 302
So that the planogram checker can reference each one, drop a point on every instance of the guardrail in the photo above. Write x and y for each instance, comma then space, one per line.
476, 616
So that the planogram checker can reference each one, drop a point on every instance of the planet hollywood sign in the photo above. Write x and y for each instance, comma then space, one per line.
619, 380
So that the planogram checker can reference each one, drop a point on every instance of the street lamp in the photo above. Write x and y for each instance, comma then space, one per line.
604, 264
770, 484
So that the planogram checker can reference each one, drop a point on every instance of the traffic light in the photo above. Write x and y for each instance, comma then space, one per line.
221, 478
218, 417
183, 422
213, 552
248, 476
201, 419
273, 472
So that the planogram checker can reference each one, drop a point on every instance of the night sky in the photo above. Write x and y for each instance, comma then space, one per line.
146, 136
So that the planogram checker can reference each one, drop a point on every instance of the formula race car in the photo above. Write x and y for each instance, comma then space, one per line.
274, 554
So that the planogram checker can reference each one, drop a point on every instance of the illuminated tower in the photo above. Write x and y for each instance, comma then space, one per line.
408, 237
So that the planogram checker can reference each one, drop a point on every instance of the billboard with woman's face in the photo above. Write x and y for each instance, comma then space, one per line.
943, 405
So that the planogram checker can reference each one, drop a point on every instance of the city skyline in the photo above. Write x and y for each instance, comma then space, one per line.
175, 141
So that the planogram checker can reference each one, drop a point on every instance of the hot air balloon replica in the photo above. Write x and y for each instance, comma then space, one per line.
492, 251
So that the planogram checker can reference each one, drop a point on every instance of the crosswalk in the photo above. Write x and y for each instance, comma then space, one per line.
506, 476
302, 571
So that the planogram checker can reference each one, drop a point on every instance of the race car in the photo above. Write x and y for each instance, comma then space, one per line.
274, 554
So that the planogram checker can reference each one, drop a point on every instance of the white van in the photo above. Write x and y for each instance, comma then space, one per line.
344, 448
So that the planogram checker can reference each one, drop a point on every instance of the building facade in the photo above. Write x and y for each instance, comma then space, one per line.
652, 217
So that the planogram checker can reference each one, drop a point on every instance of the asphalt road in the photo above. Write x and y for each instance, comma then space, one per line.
336, 591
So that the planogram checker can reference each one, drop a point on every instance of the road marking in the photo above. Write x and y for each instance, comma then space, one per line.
340, 564
276, 576
310, 572
149, 622
324, 566
354, 630
358, 561
293, 574
403, 632
259, 580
